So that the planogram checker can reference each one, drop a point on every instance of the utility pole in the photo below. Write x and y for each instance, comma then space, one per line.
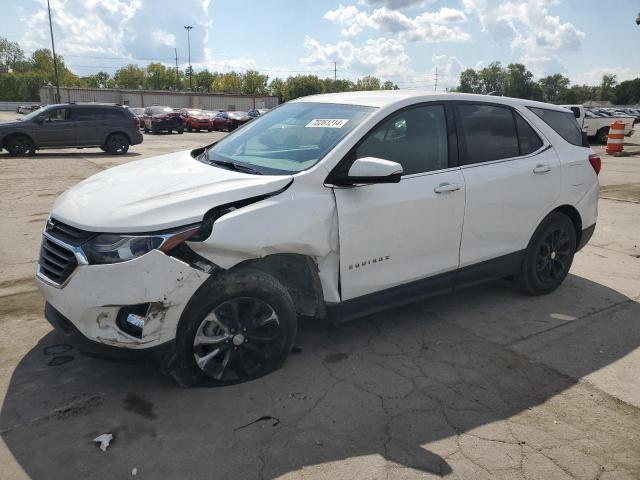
435, 88
188, 29
55, 61
335, 72
177, 71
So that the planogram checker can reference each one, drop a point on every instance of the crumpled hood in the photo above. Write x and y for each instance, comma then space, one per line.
157, 193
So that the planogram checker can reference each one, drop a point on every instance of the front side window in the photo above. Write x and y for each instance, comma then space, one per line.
564, 124
415, 138
291, 138
489, 133
57, 115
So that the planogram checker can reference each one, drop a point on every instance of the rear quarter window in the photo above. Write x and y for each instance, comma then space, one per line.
563, 123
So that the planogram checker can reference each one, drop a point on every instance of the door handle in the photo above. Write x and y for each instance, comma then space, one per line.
541, 168
447, 187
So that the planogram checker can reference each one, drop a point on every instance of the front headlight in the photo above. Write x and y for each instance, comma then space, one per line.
114, 248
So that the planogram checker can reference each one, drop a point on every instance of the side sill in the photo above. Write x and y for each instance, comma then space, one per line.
495, 268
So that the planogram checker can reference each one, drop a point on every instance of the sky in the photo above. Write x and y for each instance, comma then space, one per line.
405, 41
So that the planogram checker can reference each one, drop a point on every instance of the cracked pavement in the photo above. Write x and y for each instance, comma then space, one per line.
484, 383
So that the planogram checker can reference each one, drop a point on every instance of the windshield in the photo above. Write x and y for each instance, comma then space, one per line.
34, 114
157, 110
195, 112
291, 138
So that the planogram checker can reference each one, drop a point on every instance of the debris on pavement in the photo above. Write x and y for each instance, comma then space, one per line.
276, 421
134, 471
104, 441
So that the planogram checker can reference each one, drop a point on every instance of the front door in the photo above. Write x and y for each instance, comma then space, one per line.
56, 129
395, 234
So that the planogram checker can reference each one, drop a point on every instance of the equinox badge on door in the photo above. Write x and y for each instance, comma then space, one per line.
369, 262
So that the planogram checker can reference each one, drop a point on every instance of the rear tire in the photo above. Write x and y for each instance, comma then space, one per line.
603, 135
549, 255
20, 146
117, 144
238, 326
180, 130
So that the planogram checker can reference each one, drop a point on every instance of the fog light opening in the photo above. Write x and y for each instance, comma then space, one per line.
131, 319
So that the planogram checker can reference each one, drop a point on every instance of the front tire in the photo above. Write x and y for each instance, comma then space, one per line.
239, 326
20, 146
549, 255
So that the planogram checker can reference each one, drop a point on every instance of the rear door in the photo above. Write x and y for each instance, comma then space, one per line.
512, 179
57, 128
399, 233
89, 123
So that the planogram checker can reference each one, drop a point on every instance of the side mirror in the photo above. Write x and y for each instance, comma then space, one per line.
369, 170
576, 112
41, 120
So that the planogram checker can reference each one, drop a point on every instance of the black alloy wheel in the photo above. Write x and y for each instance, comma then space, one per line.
117, 144
549, 255
238, 339
20, 146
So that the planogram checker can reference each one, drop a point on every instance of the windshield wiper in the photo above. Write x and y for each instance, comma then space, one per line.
235, 166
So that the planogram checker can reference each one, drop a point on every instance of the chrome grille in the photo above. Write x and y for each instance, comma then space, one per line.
68, 234
56, 262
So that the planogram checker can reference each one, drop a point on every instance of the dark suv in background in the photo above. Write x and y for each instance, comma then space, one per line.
113, 128
158, 119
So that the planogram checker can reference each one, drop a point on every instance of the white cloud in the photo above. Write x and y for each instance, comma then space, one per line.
394, 4
594, 76
382, 56
437, 26
529, 28
160, 37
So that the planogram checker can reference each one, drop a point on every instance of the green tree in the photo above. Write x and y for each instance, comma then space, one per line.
470, 82
97, 80
368, 83
254, 83
628, 92
129, 76
607, 85
227, 83
518, 81
554, 87
389, 85
11, 55
202, 80
159, 77
277, 87
493, 79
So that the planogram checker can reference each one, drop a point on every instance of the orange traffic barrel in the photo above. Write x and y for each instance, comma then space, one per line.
616, 137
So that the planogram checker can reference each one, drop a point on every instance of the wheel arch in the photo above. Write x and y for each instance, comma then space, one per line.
106, 137
3, 140
298, 274
573, 214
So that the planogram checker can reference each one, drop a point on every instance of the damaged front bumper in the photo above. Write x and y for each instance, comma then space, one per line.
97, 298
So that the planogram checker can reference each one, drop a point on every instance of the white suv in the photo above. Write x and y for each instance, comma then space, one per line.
328, 206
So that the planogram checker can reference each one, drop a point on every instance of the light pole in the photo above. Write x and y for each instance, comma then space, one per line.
55, 61
188, 29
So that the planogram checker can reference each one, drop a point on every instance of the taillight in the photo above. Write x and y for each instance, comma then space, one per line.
595, 162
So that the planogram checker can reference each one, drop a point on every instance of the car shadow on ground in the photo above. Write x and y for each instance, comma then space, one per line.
385, 385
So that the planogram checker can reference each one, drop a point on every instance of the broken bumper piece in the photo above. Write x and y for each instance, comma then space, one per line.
133, 305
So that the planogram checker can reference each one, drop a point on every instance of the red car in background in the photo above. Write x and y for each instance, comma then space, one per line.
230, 120
196, 120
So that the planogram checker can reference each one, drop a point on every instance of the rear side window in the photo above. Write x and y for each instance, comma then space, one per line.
88, 113
564, 124
117, 113
528, 138
489, 133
